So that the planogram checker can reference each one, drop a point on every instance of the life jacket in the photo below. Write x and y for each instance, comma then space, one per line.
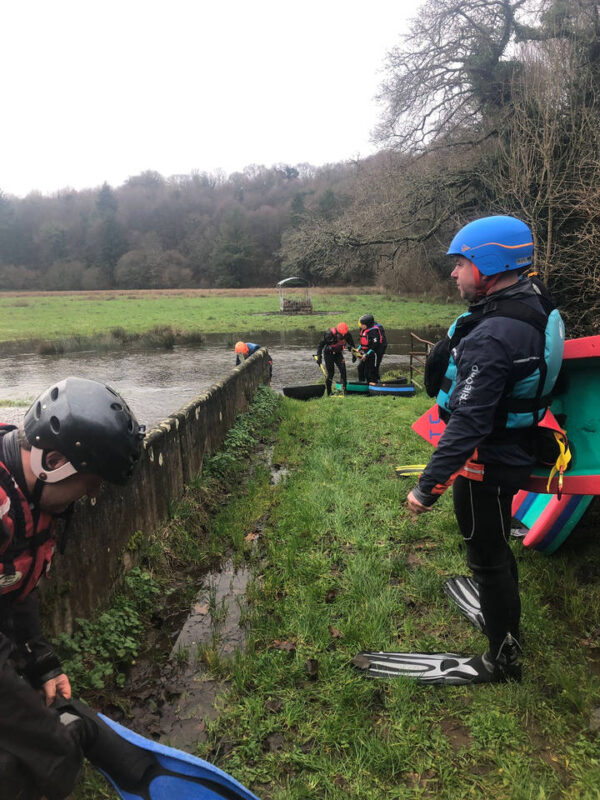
27, 538
334, 340
525, 404
370, 338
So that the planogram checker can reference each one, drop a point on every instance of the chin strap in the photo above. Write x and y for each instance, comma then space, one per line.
484, 284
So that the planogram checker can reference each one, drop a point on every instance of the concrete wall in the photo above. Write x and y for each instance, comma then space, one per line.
96, 556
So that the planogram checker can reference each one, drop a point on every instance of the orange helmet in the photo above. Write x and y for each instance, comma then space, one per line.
342, 328
241, 348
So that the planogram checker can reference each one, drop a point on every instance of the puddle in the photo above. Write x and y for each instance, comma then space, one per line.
214, 620
172, 699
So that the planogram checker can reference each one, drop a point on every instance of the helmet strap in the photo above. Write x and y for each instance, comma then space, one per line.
483, 283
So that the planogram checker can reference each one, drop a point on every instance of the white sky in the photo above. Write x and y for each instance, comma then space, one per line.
99, 90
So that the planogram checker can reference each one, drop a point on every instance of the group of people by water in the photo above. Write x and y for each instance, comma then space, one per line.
492, 376
369, 351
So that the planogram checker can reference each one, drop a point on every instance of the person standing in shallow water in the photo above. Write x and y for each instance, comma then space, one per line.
331, 350
244, 350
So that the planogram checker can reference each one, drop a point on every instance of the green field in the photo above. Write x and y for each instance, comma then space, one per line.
49, 317
338, 566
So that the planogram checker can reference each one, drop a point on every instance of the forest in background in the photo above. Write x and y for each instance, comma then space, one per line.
490, 106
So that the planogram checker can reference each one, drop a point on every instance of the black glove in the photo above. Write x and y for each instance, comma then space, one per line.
319, 360
353, 358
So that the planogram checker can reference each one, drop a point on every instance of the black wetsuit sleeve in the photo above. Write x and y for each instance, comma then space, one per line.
34, 734
322, 344
37, 657
349, 341
484, 369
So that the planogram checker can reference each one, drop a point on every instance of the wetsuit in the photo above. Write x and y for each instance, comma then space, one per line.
370, 342
380, 350
252, 348
490, 359
331, 350
38, 755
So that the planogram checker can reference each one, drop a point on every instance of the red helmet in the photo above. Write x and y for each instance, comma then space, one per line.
342, 328
241, 348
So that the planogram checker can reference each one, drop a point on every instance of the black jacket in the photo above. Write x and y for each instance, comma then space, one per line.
489, 360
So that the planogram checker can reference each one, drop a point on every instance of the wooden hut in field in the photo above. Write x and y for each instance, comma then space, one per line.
294, 296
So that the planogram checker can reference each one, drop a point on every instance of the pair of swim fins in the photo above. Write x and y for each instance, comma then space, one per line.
438, 668
142, 769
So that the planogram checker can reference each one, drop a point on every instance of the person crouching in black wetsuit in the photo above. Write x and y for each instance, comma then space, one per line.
370, 343
331, 350
77, 434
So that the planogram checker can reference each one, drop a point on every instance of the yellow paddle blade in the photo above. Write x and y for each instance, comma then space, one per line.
409, 469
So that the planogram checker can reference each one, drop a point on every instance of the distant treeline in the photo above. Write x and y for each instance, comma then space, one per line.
490, 107
198, 230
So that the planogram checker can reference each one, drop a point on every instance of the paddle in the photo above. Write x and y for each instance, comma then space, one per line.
316, 358
409, 469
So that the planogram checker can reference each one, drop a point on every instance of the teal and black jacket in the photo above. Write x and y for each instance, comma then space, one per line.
504, 356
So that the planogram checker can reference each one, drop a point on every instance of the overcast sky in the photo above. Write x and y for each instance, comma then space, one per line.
96, 91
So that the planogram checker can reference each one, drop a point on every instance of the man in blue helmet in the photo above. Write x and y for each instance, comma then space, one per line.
492, 375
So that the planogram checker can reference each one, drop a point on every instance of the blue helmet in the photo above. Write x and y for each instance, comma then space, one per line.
494, 244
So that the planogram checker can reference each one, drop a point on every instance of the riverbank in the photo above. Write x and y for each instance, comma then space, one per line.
338, 565
74, 321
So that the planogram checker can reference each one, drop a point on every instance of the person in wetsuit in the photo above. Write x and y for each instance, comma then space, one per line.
77, 434
331, 351
244, 350
370, 344
496, 369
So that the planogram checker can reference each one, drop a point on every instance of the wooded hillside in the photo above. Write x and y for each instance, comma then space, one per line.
490, 106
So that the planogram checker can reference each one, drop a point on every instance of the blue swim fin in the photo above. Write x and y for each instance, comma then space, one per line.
142, 769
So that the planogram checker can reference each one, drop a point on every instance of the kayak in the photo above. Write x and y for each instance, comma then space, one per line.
358, 387
354, 388
304, 392
551, 519
575, 406
390, 390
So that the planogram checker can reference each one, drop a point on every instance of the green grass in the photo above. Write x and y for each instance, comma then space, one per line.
341, 567
47, 317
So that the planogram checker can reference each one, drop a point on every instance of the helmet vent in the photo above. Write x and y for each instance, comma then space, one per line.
130, 426
38, 410
116, 407
54, 393
55, 424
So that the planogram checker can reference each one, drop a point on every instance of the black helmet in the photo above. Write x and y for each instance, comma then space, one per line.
367, 319
90, 424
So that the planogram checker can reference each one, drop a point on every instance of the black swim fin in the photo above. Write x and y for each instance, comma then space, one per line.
442, 668
142, 769
464, 593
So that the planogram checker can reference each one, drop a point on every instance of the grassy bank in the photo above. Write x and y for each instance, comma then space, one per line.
99, 654
339, 567
70, 321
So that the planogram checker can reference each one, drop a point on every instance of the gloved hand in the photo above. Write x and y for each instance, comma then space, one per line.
353, 358
319, 360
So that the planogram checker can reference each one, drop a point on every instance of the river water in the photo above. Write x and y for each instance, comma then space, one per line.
156, 383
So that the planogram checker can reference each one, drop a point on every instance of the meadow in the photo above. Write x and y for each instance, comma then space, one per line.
39, 319
338, 566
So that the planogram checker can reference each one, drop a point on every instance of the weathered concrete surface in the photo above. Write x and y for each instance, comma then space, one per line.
97, 554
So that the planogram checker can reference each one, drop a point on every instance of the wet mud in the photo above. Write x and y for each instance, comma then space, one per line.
170, 693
